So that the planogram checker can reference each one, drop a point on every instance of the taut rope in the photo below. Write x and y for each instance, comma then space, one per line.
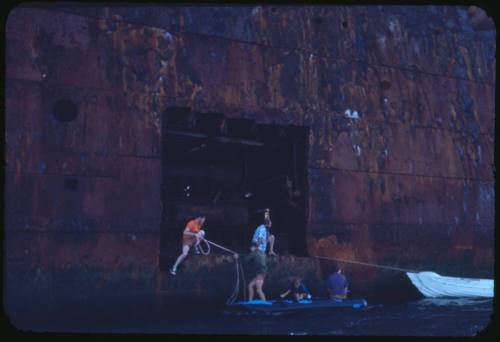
368, 264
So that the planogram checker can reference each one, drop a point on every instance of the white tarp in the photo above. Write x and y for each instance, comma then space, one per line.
433, 285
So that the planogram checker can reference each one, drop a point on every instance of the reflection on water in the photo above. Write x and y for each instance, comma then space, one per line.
452, 301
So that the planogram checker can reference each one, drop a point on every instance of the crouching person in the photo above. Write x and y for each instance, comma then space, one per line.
297, 290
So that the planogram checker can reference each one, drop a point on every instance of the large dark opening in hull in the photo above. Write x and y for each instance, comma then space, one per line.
231, 170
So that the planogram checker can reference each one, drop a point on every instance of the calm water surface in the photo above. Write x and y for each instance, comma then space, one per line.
425, 317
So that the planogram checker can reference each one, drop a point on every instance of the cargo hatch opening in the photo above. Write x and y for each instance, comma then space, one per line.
230, 170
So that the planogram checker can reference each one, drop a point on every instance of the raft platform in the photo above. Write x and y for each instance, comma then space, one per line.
288, 305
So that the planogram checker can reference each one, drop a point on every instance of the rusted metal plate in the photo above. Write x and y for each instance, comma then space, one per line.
108, 198
63, 249
24, 24
79, 203
143, 176
358, 197
38, 143
22, 128
432, 39
18, 197
61, 39
192, 77
459, 250
19, 63
401, 149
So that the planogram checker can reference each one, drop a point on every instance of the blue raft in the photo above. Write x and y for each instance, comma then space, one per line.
287, 305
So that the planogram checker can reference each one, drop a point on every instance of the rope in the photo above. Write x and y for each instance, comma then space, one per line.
368, 264
207, 252
235, 293
238, 268
243, 280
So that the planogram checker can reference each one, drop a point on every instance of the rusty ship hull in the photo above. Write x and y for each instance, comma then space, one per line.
391, 108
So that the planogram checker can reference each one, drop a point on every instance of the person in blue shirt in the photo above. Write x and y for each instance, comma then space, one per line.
262, 237
297, 290
337, 284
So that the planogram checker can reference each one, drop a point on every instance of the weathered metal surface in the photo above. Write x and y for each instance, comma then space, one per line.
426, 38
61, 248
357, 197
399, 102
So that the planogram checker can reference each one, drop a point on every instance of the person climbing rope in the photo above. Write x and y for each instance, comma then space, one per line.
190, 238
262, 235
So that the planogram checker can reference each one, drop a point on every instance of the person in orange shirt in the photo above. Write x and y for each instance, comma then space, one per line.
189, 240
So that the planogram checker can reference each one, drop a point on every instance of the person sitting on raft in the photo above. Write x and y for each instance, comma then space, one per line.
190, 238
337, 284
297, 290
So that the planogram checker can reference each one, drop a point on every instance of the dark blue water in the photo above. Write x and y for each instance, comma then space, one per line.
426, 317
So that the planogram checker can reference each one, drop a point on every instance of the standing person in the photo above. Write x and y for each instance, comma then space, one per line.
337, 284
298, 290
257, 268
262, 236
189, 240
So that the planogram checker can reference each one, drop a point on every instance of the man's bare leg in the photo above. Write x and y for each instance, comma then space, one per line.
185, 250
258, 289
250, 289
198, 239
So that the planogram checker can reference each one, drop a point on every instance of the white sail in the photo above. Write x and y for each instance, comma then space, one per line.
433, 285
